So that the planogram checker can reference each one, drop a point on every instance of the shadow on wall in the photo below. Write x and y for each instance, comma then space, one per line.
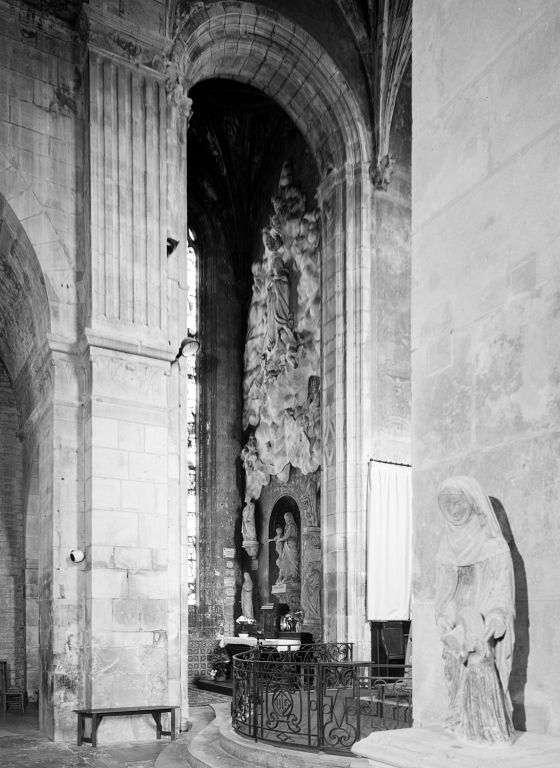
518, 677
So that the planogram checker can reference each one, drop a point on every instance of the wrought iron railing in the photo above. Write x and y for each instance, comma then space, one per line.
316, 697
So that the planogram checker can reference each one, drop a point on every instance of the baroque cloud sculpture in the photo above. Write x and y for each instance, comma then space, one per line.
281, 384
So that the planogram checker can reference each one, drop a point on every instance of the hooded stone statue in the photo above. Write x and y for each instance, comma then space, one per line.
475, 611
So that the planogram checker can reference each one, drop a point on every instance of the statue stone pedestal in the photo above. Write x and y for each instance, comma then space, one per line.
437, 748
289, 593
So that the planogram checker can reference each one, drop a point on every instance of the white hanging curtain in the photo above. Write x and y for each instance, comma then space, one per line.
389, 541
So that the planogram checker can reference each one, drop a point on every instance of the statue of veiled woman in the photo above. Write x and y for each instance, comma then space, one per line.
288, 562
475, 611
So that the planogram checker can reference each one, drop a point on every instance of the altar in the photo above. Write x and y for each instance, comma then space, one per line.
281, 643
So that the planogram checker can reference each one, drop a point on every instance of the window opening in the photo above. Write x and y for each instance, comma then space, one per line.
192, 437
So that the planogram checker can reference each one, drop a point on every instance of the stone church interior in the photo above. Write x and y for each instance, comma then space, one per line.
279, 373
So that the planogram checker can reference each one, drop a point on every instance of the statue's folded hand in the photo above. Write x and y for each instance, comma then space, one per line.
494, 628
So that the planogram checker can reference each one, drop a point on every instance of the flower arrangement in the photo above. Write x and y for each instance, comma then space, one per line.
245, 625
220, 661
292, 622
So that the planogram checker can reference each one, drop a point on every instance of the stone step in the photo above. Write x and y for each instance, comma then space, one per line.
177, 753
216, 745
245, 751
204, 751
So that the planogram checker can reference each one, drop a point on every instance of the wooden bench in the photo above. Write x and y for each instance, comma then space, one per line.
98, 713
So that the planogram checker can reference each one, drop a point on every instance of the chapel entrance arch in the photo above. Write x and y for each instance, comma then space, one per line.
239, 143
302, 78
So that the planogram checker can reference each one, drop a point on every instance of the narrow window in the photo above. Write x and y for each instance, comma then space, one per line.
192, 421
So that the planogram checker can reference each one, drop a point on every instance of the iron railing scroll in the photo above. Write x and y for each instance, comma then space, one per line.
316, 697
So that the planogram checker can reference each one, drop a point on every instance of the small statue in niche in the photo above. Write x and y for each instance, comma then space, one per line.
475, 613
248, 530
312, 591
247, 598
279, 552
289, 561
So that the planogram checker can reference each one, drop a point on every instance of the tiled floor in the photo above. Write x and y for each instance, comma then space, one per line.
23, 746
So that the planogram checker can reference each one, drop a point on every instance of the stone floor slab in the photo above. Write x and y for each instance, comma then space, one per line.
437, 748
22, 745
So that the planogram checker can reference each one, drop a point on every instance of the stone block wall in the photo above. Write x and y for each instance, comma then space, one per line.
41, 149
12, 552
485, 317
132, 535
390, 296
41, 160
102, 474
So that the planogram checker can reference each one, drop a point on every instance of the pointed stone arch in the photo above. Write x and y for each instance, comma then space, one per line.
25, 317
25, 324
257, 46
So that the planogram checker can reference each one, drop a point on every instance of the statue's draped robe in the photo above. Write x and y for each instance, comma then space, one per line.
475, 571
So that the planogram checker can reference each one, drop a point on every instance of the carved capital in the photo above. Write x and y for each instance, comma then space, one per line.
383, 37
111, 35
177, 97
128, 377
381, 173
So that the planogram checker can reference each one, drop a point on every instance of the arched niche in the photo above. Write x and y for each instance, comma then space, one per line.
299, 495
277, 524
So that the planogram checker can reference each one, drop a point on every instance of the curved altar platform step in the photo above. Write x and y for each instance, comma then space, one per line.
213, 744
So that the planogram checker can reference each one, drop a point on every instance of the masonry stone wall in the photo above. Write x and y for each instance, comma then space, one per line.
12, 552
33, 538
41, 149
485, 317
41, 159
99, 399
390, 296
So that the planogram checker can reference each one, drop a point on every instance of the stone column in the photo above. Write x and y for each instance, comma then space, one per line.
136, 308
67, 673
52, 432
346, 200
